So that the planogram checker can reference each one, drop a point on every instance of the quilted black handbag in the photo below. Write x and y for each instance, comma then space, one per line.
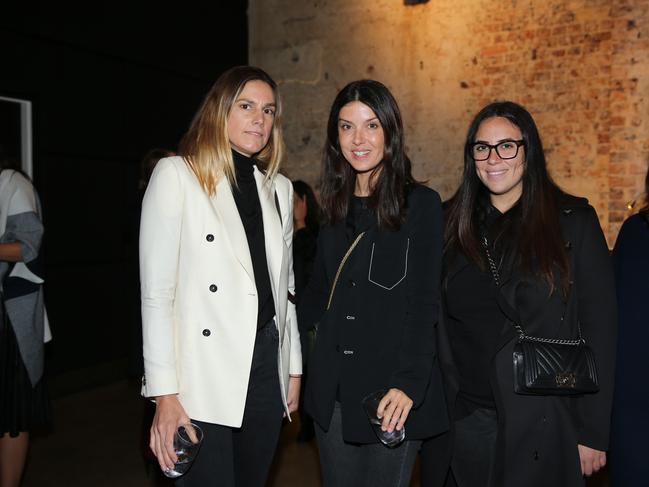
549, 366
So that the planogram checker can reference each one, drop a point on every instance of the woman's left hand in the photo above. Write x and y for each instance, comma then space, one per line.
591, 460
394, 409
293, 398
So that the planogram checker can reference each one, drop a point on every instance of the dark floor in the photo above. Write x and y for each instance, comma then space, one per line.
96, 443
97, 437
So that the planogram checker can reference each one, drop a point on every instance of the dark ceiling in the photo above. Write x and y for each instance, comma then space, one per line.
108, 81
191, 38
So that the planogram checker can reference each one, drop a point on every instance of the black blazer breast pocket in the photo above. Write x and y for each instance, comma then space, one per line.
388, 266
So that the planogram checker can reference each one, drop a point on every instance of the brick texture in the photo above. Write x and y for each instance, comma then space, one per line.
580, 67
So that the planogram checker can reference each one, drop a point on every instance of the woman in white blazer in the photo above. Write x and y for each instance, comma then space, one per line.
221, 343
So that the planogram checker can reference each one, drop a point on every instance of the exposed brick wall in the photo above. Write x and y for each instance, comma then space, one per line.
629, 102
580, 67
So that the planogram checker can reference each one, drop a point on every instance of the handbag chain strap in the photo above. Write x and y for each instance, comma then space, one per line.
342, 264
517, 326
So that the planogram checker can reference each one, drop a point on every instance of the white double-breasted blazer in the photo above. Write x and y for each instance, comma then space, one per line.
199, 299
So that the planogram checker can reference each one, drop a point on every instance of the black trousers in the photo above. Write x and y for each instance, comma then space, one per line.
474, 449
241, 457
351, 465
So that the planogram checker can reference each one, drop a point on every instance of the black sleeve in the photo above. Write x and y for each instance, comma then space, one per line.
597, 314
312, 303
418, 347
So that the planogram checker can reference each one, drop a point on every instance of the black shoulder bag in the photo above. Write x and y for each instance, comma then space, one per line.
549, 366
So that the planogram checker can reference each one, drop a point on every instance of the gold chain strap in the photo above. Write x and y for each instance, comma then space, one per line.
342, 264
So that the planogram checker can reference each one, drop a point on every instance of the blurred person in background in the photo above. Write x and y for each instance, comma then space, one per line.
24, 403
630, 428
306, 218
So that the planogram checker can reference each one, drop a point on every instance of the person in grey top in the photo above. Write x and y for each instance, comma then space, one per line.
23, 400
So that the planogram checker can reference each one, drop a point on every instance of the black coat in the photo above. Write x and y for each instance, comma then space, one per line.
379, 330
538, 435
630, 432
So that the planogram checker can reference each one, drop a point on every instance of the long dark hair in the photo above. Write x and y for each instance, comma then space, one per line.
535, 231
312, 219
388, 185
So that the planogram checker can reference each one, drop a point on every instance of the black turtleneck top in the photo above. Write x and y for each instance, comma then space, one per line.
246, 198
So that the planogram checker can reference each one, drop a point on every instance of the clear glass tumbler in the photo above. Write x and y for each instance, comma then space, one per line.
185, 449
370, 405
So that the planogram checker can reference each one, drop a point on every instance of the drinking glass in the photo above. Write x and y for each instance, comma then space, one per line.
185, 449
370, 405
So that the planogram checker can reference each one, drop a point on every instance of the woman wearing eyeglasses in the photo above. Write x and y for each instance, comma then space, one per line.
555, 279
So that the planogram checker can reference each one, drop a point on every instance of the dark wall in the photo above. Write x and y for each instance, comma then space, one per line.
107, 86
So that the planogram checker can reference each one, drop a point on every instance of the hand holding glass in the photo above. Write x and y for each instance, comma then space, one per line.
371, 405
187, 442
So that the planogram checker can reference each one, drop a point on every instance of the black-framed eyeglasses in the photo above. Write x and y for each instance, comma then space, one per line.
507, 149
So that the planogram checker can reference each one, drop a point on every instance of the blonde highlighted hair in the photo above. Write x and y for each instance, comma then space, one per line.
206, 147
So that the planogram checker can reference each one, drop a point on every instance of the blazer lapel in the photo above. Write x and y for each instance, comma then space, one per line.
226, 209
273, 233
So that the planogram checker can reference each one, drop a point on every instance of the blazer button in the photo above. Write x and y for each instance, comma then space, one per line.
350, 317
206, 332
352, 283
213, 288
209, 237
348, 352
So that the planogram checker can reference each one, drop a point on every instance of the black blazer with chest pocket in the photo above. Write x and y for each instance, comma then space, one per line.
379, 331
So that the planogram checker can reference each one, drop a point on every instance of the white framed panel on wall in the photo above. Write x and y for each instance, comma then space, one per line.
16, 132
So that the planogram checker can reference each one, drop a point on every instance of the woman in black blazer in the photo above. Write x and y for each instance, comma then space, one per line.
556, 275
376, 328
